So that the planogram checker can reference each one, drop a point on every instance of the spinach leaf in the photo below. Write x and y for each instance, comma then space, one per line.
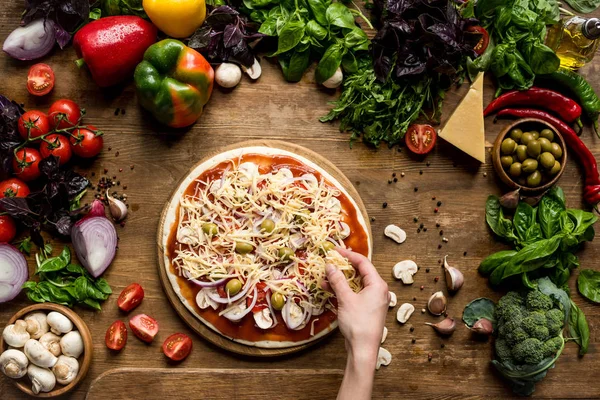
477, 309
330, 61
290, 35
339, 15
494, 216
588, 283
549, 210
583, 6
579, 329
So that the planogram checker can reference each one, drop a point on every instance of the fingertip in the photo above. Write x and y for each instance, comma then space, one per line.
330, 269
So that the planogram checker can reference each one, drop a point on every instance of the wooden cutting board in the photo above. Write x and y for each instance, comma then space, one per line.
197, 325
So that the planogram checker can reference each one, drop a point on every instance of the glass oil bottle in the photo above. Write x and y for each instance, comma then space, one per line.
574, 40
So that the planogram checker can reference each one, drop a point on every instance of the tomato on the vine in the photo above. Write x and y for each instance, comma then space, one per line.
420, 138
8, 229
25, 164
40, 79
64, 114
483, 42
36, 122
86, 143
13, 187
58, 146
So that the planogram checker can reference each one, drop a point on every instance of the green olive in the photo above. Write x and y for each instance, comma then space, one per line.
515, 170
303, 216
534, 179
327, 246
233, 286
547, 160
243, 248
556, 150
536, 135
534, 148
508, 146
285, 253
506, 161
210, 229
529, 165
268, 225
277, 301
521, 152
526, 138
548, 134
555, 168
516, 134
545, 144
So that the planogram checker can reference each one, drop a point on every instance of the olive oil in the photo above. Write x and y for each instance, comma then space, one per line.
574, 40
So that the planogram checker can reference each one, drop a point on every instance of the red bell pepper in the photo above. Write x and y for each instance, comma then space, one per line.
112, 47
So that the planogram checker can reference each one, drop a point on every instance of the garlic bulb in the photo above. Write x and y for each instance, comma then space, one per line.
454, 278
437, 303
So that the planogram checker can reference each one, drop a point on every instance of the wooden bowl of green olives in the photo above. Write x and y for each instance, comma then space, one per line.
530, 155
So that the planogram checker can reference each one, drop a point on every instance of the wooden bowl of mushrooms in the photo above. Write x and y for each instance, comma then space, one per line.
47, 350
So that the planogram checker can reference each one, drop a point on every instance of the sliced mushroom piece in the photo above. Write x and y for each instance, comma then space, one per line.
72, 344
66, 369
42, 379
37, 325
404, 270
248, 170
16, 334
384, 357
236, 313
13, 363
59, 324
395, 233
51, 342
203, 301
384, 336
393, 299
187, 235
404, 312
333, 205
254, 71
263, 319
344, 230
38, 354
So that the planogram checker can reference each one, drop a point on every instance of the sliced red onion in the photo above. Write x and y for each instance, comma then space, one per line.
13, 272
203, 284
302, 287
31, 41
95, 240
246, 311
215, 296
297, 240
286, 314
272, 312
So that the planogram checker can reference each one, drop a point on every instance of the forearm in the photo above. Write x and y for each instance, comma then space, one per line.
359, 374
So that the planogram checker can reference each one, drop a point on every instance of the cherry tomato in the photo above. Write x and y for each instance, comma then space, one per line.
177, 346
221, 291
261, 298
483, 42
420, 139
40, 79
64, 114
25, 164
86, 143
116, 335
13, 187
58, 146
36, 122
8, 229
144, 327
130, 297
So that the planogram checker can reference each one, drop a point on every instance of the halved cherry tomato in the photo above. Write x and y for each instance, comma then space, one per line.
261, 297
116, 335
144, 327
177, 346
130, 297
40, 79
13, 187
36, 122
221, 291
483, 42
64, 114
58, 146
25, 164
8, 229
86, 143
420, 138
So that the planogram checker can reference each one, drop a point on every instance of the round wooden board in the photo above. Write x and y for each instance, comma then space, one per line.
198, 326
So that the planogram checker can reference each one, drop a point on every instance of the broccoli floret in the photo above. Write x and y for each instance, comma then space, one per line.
503, 351
510, 307
535, 325
551, 346
554, 321
529, 351
538, 301
516, 336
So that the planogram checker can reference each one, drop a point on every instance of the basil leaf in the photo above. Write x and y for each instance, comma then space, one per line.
579, 329
532, 256
523, 219
51, 265
298, 64
339, 15
583, 6
356, 39
290, 35
494, 217
588, 283
318, 8
349, 63
477, 309
492, 262
330, 61
549, 210
315, 30
93, 304
583, 222
102, 285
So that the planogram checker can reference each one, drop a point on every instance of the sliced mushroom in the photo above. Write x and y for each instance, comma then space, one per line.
42, 379
384, 357
333, 205
203, 301
263, 319
51, 342
59, 324
37, 325
254, 71
16, 334
13, 363
248, 170
72, 344
404, 270
404, 312
384, 336
395, 233
393, 299
38, 354
344, 230
186, 235
66, 369
237, 312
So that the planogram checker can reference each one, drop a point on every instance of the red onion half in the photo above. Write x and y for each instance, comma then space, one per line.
31, 41
13, 272
95, 240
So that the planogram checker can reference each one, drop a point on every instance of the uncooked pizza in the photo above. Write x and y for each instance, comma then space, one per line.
251, 231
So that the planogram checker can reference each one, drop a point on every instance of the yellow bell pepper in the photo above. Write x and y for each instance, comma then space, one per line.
176, 18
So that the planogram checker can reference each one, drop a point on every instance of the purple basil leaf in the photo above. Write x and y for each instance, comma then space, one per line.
64, 225
201, 38
221, 17
242, 54
232, 36
62, 37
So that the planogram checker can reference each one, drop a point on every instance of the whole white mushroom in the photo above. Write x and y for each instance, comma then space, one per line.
38, 354
16, 334
37, 325
335, 80
51, 342
13, 363
59, 324
66, 369
42, 379
228, 75
72, 344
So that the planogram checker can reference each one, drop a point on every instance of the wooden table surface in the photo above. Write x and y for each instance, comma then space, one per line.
272, 108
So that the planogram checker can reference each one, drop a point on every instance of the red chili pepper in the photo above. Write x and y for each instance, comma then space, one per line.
113, 46
565, 107
591, 191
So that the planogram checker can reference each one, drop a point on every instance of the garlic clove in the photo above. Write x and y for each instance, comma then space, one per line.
404, 270
395, 233
437, 303
384, 357
118, 209
384, 336
454, 278
393, 299
510, 200
483, 327
445, 327
404, 312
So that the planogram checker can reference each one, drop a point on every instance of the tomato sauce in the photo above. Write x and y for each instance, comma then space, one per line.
246, 329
